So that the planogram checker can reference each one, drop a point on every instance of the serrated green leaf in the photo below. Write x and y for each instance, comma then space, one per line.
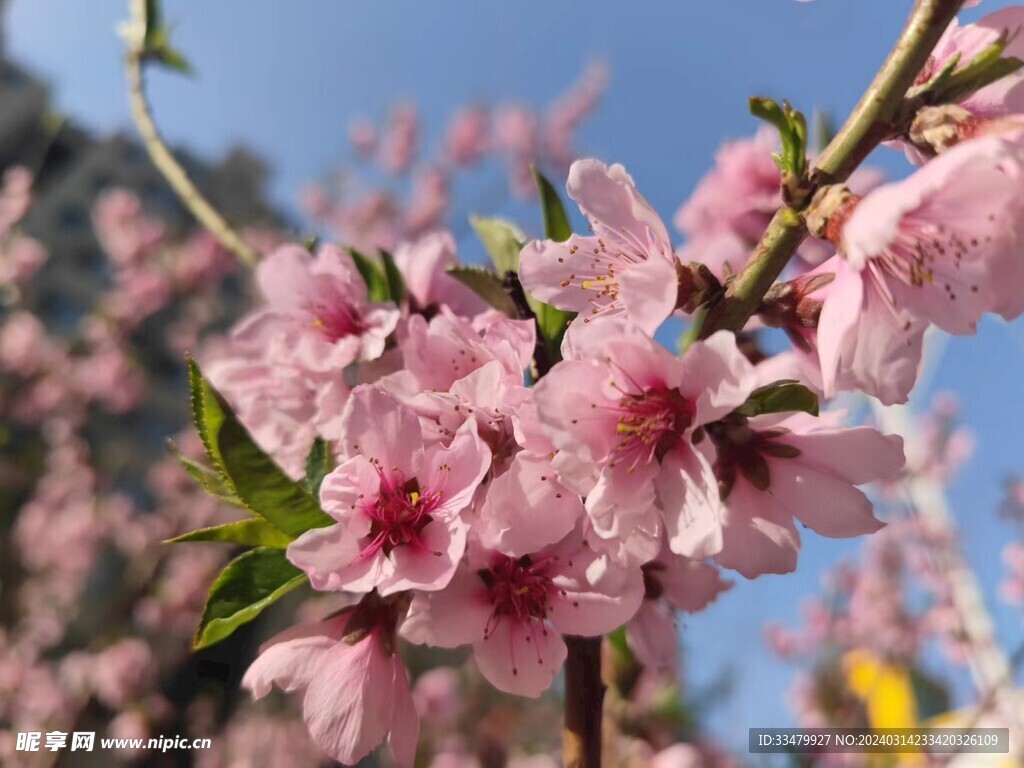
556, 223
210, 480
393, 275
377, 287
487, 286
502, 240
318, 463
256, 480
246, 586
785, 396
254, 532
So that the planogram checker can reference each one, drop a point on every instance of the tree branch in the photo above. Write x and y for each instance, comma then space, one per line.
871, 122
165, 161
584, 703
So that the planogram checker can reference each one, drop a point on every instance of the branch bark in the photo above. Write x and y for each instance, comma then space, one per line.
584, 703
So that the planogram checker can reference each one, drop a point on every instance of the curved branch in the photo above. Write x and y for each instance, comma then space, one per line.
165, 161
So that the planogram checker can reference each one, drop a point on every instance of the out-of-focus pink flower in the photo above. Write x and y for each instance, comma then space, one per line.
910, 261
627, 267
621, 416
125, 232
517, 136
1012, 506
1013, 585
436, 694
397, 503
467, 136
400, 138
15, 197
362, 134
428, 202
565, 116
423, 263
739, 196
120, 672
357, 690
514, 611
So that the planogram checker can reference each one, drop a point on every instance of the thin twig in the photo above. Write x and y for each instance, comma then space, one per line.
163, 158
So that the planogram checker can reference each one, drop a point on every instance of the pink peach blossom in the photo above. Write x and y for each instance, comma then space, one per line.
514, 610
941, 247
771, 469
621, 415
317, 314
397, 503
627, 267
357, 690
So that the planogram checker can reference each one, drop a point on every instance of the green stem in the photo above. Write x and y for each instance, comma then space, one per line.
168, 165
870, 123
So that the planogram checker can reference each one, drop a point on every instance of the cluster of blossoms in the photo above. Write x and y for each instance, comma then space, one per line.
468, 509
480, 496
96, 610
403, 192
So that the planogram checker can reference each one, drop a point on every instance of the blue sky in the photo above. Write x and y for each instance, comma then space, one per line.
284, 78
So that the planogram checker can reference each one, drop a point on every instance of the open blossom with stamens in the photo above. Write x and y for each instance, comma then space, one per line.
514, 611
627, 267
357, 690
397, 503
941, 247
317, 315
772, 468
621, 416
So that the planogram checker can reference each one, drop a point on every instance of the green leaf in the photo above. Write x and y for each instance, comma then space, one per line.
154, 23
246, 586
171, 58
784, 396
395, 281
556, 223
487, 286
502, 240
210, 480
792, 128
373, 274
256, 480
254, 532
318, 463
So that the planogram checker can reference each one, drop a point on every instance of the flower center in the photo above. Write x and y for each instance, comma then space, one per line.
652, 423
518, 589
741, 450
398, 515
336, 321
